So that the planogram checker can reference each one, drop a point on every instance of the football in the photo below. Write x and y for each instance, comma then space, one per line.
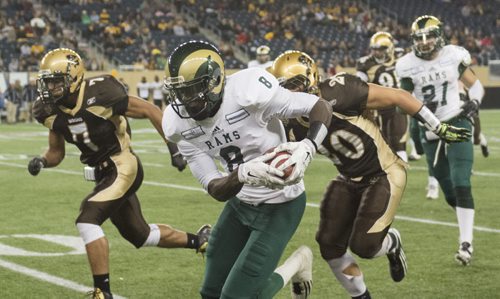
279, 159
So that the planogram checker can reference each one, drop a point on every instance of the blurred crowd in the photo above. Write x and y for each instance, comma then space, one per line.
145, 31
27, 33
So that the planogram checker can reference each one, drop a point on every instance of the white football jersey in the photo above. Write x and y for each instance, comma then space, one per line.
436, 80
255, 63
245, 127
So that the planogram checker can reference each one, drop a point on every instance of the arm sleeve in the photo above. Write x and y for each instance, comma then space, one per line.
202, 166
287, 104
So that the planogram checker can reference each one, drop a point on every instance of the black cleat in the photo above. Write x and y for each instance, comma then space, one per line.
485, 151
396, 256
203, 235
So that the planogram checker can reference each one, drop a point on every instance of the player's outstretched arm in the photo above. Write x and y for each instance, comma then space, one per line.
139, 108
52, 157
381, 97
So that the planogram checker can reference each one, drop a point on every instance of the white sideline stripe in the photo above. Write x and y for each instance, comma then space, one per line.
315, 205
479, 173
429, 221
49, 278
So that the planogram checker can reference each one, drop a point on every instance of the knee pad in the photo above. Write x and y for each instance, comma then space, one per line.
154, 236
89, 232
354, 285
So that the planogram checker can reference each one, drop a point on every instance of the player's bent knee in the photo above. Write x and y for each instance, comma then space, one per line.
329, 250
364, 250
256, 260
89, 232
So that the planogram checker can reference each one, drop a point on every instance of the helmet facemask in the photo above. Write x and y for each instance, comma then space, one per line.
53, 87
427, 36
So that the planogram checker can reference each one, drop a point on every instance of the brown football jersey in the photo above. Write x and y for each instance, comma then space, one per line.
353, 143
97, 124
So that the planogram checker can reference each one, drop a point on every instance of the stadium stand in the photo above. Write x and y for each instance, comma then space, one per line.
141, 34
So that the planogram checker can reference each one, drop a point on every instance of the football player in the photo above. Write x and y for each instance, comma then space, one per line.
235, 120
359, 205
432, 71
91, 113
379, 68
263, 58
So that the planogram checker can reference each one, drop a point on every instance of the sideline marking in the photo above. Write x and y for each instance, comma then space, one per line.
49, 278
198, 189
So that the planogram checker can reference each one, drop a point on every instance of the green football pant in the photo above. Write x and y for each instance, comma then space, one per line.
245, 247
453, 168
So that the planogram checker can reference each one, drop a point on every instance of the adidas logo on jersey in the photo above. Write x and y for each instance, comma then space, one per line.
217, 130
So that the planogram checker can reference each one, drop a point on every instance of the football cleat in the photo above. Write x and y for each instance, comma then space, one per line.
302, 280
203, 235
464, 254
396, 256
485, 151
98, 294
432, 192
414, 157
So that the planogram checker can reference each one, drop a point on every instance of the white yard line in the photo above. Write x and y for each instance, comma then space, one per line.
49, 278
315, 205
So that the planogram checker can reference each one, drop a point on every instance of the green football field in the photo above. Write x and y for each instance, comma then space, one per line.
41, 255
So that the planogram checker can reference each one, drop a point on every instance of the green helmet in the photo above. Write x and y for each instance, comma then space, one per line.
194, 80
427, 36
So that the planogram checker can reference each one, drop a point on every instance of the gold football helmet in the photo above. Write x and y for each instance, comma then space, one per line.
297, 71
195, 79
382, 47
61, 73
427, 36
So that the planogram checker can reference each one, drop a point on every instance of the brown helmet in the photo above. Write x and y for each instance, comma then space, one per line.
295, 70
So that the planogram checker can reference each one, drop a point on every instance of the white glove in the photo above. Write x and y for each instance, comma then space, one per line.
301, 155
257, 172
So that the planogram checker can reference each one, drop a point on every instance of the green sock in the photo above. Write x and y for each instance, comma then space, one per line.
274, 285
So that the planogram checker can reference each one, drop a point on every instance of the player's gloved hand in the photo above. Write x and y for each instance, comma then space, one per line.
176, 159
450, 133
257, 172
470, 108
36, 164
301, 155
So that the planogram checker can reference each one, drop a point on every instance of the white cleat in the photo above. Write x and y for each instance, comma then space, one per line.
302, 280
432, 192
464, 254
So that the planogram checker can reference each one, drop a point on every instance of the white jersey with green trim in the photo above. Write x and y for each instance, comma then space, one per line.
245, 127
435, 81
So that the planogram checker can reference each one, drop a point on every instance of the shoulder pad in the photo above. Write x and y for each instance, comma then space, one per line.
365, 63
346, 93
104, 91
252, 87
461, 54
